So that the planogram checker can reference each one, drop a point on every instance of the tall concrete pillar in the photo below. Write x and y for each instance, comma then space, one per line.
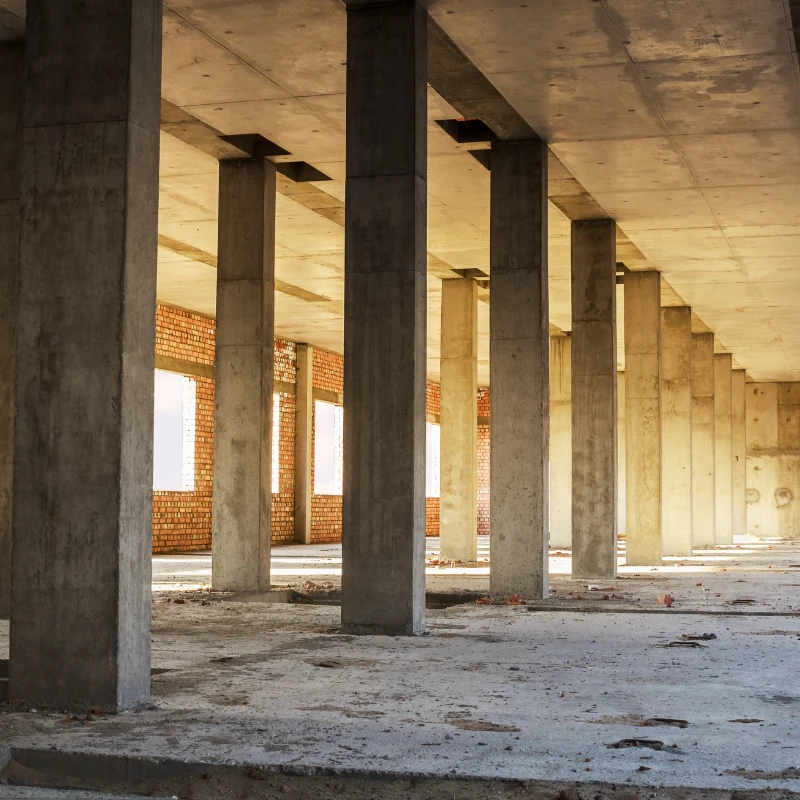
703, 440
383, 513
83, 449
561, 441
621, 481
723, 449
676, 430
11, 81
242, 490
739, 446
594, 399
643, 417
303, 443
519, 369
458, 465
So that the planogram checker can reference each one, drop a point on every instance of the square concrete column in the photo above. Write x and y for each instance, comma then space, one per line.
458, 465
643, 417
676, 430
83, 449
383, 507
561, 441
703, 440
11, 81
594, 399
303, 443
621, 482
519, 352
242, 488
739, 445
723, 448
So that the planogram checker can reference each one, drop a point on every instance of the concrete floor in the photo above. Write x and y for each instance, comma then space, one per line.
490, 691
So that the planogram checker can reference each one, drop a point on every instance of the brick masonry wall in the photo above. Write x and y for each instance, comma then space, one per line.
433, 405
326, 509
182, 520
284, 369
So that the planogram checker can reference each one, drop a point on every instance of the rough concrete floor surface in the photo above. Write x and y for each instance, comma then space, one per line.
491, 691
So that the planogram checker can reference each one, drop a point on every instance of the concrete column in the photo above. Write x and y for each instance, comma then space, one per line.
519, 369
643, 417
383, 508
83, 449
739, 446
594, 399
303, 443
561, 441
703, 439
621, 481
723, 449
458, 466
11, 79
676, 430
242, 488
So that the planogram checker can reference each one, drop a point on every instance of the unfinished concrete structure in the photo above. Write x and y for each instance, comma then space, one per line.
421, 276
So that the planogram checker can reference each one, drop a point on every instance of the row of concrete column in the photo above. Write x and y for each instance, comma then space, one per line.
683, 418
79, 193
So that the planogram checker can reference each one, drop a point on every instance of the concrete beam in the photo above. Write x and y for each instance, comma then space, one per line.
303, 443
83, 450
244, 378
11, 81
703, 442
594, 399
723, 449
383, 507
676, 430
458, 470
643, 417
519, 342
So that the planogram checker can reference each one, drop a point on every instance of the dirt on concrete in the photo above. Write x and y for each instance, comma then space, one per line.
255, 784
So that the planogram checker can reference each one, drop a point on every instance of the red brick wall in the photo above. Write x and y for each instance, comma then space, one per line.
182, 520
285, 369
433, 405
326, 509
483, 462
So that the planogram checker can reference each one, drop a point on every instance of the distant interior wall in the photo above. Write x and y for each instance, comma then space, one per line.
773, 459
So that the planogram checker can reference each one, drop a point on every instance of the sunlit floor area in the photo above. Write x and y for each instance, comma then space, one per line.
541, 691
707, 579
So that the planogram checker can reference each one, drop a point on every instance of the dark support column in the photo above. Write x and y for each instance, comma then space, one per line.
83, 450
519, 364
594, 399
383, 514
244, 380
11, 80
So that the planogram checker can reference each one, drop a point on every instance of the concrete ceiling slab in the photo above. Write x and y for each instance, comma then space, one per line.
658, 210
571, 33
582, 103
684, 29
300, 44
289, 123
771, 204
197, 70
750, 158
720, 95
621, 165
